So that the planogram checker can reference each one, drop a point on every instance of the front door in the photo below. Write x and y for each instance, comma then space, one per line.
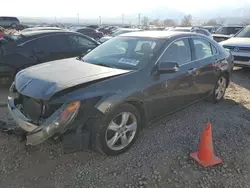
170, 92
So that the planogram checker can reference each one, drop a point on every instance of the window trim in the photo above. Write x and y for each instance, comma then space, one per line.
192, 60
197, 37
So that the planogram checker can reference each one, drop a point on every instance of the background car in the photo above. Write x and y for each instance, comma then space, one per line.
239, 45
35, 47
211, 29
40, 29
118, 88
193, 29
93, 33
118, 32
226, 32
6, 21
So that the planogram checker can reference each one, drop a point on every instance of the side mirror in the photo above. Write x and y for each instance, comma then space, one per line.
167, 67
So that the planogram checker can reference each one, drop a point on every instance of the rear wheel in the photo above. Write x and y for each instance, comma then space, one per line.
219, 89
119, 130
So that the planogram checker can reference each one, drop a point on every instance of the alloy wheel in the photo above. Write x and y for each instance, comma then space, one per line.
121, 131
220, 88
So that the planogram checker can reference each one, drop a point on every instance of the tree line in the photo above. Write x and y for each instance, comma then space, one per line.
186, 21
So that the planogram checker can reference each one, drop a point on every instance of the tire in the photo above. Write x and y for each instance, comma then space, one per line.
105, 135
217, 97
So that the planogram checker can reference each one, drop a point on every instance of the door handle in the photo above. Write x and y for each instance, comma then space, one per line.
191, 70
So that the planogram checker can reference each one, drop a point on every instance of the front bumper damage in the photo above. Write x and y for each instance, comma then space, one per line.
78, 133
54, 125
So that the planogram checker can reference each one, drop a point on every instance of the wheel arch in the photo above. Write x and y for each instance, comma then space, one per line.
139, 105
227, 75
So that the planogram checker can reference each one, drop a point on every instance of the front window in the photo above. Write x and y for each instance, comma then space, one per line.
179, 52
244, 33
129, 53
228, 30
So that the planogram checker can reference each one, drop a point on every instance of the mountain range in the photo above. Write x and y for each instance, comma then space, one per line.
229, 15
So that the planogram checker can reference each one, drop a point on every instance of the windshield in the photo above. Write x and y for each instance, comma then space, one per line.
129, 53
244, 33
228, 30
119, 32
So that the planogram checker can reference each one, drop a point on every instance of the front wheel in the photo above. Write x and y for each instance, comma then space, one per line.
119, 130
219, 89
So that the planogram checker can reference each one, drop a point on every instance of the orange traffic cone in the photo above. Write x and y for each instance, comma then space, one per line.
205, 156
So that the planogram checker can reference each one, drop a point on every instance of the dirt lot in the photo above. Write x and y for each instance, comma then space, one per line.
159, 159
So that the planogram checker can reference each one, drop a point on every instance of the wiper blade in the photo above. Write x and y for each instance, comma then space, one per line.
104, 65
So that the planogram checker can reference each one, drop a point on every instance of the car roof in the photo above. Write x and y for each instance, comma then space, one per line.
43, 28
41, 32
158, 34
129, 29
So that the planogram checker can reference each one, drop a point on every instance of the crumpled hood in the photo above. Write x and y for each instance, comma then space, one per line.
44, 80
237, 41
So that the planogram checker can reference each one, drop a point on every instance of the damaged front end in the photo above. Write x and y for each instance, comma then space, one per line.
39, 119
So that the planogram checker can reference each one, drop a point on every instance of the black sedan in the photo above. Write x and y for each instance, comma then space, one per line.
103, 100
93, 33
35, 47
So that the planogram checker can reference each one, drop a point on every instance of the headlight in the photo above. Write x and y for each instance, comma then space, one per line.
61, 119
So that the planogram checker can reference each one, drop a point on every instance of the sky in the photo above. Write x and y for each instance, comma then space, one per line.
104, 8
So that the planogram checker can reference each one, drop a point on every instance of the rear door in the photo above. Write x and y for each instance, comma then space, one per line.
205, 56
51, 47
79, 45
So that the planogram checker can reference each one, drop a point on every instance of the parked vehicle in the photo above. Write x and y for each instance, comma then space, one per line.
226, 32
93, 33
211, 29
6, 21
118, 32
40, 29
35, 47
240, 47
193, 29
92, 26
104, 99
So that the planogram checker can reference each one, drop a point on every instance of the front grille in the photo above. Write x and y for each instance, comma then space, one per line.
36, 110
241, 58
240, 48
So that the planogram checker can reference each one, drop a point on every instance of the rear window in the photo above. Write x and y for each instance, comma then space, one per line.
228, 30
9, 18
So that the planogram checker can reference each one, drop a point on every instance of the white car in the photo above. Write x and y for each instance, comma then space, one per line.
239, 45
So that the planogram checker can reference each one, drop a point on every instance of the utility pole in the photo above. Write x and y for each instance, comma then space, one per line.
139, 19
122, 19
78, 18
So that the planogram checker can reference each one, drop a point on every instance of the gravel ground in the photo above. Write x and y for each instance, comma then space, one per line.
159, 159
